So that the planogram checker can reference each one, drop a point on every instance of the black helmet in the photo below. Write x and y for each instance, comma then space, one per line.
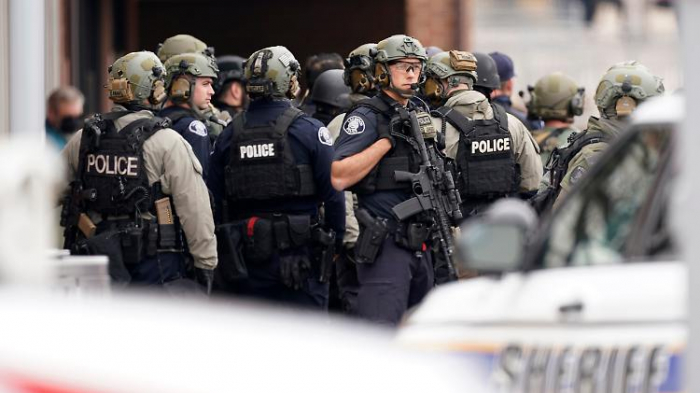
230, 69
487, 73
330, 89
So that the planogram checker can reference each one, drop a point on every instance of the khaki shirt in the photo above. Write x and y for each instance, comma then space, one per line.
475, 106
168, 158
352, 228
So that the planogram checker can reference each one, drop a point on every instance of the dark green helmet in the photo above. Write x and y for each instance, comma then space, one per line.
399, 47
624, 86
272, 72
487, 72
136, 77
330, 89
230, 69
194, 64
556, 97
444, 65
182, 43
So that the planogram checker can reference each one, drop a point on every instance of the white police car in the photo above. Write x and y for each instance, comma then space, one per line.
591, 299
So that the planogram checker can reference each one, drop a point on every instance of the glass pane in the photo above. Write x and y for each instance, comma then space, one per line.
594, 225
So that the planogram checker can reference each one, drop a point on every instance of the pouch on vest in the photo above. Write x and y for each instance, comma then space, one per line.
373, 232
132, 244
259, 240
107, 243
412, 236
229, 246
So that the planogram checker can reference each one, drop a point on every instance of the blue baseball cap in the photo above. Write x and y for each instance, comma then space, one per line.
504, 64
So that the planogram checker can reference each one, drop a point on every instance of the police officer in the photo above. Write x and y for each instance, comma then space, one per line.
185, 43
358, 75
623, 87
502, 95
315, 66
555, 99
269, 171
189, 83
136, 186
494, 153
229, 88
394, 272
330, 96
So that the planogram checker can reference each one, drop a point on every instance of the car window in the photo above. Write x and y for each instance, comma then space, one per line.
594, 224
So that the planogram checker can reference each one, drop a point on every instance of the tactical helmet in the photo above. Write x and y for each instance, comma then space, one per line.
396, 47
272, 71
455, 67
136, 77
230, 69
194, 64
624, 86
329, 89
556, 97
358, 73
486, 71
182, 43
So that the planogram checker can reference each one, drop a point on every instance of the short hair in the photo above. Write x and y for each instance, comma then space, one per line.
317, 64
64, 94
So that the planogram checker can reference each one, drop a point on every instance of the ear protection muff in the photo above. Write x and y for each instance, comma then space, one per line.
359, 81
530, 105
158, 94
381, 75
576, 104
433, 90
293, 86
181, 86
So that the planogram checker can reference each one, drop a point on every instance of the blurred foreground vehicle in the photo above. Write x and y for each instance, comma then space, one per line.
590, 299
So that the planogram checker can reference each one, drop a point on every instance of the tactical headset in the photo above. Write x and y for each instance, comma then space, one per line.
181, 87
432, 87
121, 92
356, 74
575, 107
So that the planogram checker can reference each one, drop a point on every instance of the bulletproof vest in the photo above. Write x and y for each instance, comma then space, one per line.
403, 157
262, 164
485, 162
558, 166
111, 165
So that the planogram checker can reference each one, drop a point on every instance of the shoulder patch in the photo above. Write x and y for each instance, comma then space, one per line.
197, 127
324, 136
354, 125
576, 174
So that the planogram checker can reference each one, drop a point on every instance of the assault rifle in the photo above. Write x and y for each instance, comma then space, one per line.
434, 190
71, 216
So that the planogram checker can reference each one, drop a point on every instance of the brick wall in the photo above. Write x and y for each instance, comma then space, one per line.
442, 23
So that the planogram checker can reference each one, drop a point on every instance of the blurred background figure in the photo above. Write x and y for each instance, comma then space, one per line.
229, 89
330, 96
315, 66
555, 99
502, 95
64, 115
433, 50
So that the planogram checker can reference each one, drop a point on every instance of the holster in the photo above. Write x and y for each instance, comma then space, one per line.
373, 232
229, 240
412, 235
323, 251
108, 243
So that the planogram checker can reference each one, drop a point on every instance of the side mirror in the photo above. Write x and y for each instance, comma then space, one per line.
496, 241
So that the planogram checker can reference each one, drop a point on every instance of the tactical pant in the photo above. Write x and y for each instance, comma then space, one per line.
265, 282
346, 279
396, 281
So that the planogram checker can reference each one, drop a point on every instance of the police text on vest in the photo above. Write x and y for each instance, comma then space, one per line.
258, 151
105, 164
491, 146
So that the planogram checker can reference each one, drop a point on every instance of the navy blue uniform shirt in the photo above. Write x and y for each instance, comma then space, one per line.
193, 130
358, 132
506, 103
311, 145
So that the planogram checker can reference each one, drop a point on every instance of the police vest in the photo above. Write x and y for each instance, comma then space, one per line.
111, 165
262, 165
558, 165
402, 158
485, 162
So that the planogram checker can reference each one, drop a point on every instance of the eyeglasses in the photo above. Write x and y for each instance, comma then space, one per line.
407, 67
